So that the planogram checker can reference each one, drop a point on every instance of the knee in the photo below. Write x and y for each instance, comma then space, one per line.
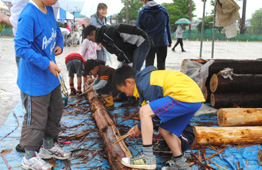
146, 111
162, 131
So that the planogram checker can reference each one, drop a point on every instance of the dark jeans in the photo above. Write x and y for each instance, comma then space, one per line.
179, 41
161, 53
140, 54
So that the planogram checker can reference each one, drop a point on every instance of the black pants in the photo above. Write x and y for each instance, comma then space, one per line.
161, 53
179, 41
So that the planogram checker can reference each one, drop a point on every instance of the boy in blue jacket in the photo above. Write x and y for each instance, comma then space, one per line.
171, 96
38, 40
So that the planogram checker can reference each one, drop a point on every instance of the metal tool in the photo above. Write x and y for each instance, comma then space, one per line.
62, 82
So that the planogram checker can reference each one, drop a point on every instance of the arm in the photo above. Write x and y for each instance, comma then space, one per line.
168, 29
4, 18
24, 42
100, 85
18, 6
84, 48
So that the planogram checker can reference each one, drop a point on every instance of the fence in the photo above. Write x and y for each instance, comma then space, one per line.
208, 35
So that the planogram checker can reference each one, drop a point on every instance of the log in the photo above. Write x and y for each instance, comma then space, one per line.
225, 100
109, 133
238, 66
240, 83
227, 135
239, 117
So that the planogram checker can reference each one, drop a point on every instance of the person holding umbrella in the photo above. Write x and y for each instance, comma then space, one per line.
179, 36
179, 32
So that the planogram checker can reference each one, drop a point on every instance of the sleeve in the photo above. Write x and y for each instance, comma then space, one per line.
102, 83
24, 41
84, 48
168, 29
138, 20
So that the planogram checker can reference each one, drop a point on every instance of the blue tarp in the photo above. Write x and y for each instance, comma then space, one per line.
94, 154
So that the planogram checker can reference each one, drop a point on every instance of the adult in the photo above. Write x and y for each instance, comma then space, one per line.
99, 19
153, 18
179, 36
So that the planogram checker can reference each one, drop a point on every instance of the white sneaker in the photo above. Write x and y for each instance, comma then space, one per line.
35, 163
55, 152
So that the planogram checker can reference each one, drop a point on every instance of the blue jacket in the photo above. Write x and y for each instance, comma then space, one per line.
36, 38
154, 20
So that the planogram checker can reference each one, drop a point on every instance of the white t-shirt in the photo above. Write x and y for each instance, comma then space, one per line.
18, 6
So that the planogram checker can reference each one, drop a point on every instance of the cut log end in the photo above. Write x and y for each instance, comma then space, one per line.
213, 83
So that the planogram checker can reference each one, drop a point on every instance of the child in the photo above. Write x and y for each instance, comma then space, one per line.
171, 96
74, 64
38, 40
127, 42
102, 84
89, 49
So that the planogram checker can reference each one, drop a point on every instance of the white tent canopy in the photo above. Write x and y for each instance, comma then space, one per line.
63, 14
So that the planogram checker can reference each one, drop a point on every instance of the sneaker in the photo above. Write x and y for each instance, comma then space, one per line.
140, 162
55, 152
183, 51
78, 92
176, 164
173, 50
35, 163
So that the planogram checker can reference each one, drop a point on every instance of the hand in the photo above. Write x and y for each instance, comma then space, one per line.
100, 45
58, 50
89, 88
4, 18
53, 68
134, 131
170, 45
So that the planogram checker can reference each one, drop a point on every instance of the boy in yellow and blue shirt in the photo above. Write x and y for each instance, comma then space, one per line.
169, 95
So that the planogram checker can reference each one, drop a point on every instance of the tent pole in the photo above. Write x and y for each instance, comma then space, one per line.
202, 28
213, 35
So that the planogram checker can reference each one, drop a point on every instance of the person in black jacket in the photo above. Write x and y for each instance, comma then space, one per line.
129, 43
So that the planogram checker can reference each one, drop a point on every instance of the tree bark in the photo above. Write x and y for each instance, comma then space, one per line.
238, 66
227, 135
248, 100
109, 132
240, 83
239, 117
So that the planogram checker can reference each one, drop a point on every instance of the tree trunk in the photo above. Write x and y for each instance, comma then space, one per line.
109, 132
227, 135
239, 117
251, 100
239, 66
240, 83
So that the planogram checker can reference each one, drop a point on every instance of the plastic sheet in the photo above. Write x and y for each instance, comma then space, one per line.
245, 155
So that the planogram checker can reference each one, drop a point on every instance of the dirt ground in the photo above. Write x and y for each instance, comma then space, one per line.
10, 94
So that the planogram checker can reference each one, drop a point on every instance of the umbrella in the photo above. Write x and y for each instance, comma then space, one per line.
113, 7
183, 21
82, 22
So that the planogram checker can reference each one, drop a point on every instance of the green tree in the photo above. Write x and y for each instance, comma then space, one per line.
256, 22
179, 9
134, 7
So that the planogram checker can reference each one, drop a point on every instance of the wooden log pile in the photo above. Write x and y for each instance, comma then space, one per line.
109, 133
244, 90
